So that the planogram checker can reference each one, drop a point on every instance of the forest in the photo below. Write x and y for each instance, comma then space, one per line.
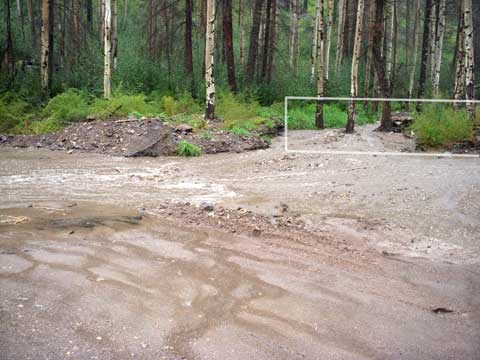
69, 60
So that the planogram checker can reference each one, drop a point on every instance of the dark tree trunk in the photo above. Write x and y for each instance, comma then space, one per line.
228, 44
89, 11
425, 51
188, 45
271, 51
266, 44
253, 48
379, 62
33, 28
8, 57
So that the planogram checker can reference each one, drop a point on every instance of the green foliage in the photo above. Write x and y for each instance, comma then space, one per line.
188, 149
206, 135
303, 117
439, 126
13, 111
122, 105
46, 126
240, 131
232, 110
69, 106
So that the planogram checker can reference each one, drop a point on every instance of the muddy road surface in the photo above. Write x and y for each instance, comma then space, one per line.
260, 255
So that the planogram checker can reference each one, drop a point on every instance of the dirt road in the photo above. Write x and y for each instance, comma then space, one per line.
329, 257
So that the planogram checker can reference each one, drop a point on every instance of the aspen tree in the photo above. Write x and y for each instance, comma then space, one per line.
209, 61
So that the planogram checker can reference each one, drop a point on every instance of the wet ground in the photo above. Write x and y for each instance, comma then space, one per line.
299, 256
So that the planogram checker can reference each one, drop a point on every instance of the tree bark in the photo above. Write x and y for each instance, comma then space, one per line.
33, 28
241, 25
416, 31
368, 67
313, 54
320, 70
209, 61
21, 20
273, 32
115, 33
433, 38
89, 11
266, 43
460, 58
8, 58
342, 8
331, 8
293, 31
357, 48
425, 51
469, 56
439, 48
228, 44
253, 48
379, 61
46, 51
188, 56
107, 55
393, 81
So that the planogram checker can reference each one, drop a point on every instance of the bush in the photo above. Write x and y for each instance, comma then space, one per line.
240, 131
46, 126
69, 106
122, 105
187, 149
233, 111
13, 111
442, 126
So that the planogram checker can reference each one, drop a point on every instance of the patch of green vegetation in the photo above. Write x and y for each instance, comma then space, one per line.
303, 117
188, 149
240, 131
72, 105
122, 105
45, 126
13, 113
439, 126
233, 111
206, 135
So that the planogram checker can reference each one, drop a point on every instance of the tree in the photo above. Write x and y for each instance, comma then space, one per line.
114, 33
188, 56
425, 49
320, 71
355, 61
107, 49
368, 66
293, 30
331, 8
8, 58
20, 19
437, 62
460, 58
46, 48
253, 48
313, 54
33, 29
342, 8
415, 48
228, 44
379, 62
209, 61
273, 32
469, 56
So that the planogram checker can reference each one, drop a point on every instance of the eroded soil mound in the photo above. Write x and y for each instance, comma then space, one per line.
148, 137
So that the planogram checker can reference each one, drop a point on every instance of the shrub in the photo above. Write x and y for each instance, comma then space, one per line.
69, 106
46, 126
122, 105
442, 126
169, 105
13, 111
187, 149
240, 131
233, 111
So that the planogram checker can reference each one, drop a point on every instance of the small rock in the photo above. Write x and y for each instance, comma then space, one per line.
206, 207
183, 128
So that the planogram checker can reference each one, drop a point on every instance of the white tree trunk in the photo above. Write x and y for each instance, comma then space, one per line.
415, 48
331, 8
46, 46
293, 31
357, 48
469, 59
107, 48
439, 47
20, 18
313, 55
433, 42
390, 35
320, 69
115, 33
369, 64
209, 61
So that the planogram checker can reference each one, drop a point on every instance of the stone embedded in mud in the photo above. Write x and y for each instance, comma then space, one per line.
206, 207
184, 128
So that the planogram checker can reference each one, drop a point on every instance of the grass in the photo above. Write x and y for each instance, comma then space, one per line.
188, 149
439, 126
303, 117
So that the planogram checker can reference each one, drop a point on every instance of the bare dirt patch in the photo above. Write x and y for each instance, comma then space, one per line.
124, 137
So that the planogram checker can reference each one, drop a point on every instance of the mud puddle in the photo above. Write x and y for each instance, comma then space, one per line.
86, 281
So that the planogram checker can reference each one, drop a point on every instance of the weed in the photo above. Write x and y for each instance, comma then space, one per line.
188, 149
240, 131
69, 106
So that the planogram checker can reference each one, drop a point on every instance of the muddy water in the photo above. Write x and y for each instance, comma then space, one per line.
95, 281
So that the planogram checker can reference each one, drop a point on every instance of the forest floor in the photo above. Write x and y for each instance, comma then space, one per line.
262, 255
